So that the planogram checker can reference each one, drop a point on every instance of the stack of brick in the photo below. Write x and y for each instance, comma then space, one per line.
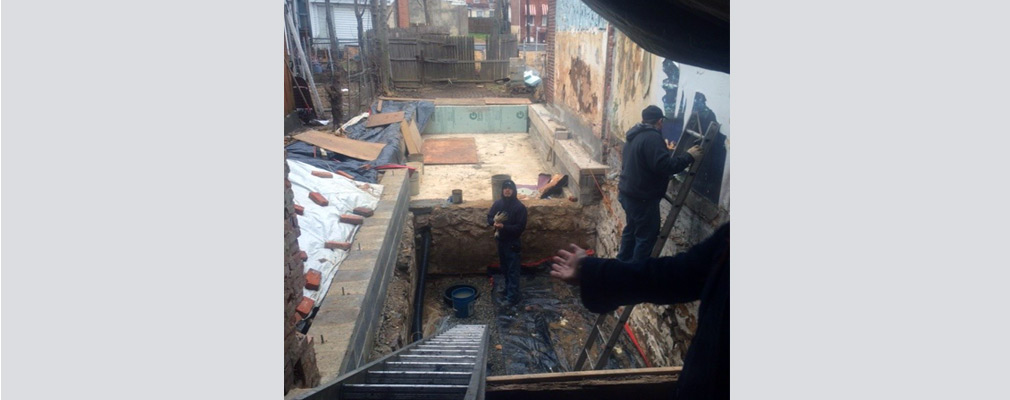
299, 358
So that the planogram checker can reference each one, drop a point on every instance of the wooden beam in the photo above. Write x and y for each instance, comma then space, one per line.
579, 375
637, 384
317, 107
380, 119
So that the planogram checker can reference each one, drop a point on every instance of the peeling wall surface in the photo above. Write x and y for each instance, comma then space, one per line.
462, 242
580, 45
641, 79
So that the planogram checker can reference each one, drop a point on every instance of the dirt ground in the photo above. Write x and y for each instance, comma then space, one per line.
497, 153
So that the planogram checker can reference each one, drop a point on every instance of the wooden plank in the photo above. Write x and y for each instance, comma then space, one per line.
459, 102
361, 150
415, 135
383, 119
577, 375
450, 151
506, 100
413, 144
402, 99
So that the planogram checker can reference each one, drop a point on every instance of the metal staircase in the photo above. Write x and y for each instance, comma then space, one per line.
449, 365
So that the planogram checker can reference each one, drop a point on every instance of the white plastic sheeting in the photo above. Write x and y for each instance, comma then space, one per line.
320, 224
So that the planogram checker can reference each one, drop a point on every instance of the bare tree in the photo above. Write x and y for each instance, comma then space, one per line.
364, 84
380, 18
333, 90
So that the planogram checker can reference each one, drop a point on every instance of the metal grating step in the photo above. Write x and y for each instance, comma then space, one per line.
449, 365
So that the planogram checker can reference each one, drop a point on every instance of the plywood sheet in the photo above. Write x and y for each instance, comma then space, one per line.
361, 150
442, 101
450, 151
383, 119
411, 136
506, 100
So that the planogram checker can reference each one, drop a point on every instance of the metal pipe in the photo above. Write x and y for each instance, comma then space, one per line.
417, 331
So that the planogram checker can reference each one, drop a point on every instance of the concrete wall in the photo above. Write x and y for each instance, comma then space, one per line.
463, 243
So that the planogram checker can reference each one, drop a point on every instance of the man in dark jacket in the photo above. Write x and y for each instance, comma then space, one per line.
701, 273
508, 216
647, 165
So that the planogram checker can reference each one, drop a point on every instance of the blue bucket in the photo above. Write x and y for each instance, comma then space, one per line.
462, 301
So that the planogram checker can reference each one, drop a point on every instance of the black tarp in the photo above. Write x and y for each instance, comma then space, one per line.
390, 135
694, 32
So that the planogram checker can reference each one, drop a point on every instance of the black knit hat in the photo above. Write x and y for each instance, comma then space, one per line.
651, 114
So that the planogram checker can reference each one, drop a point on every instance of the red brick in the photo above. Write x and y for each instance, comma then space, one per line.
319, 199
299, 210
312, 279
337, 245
295, 318
305, 307
322, 174
364, 211
302, 255
345, 175
352, 219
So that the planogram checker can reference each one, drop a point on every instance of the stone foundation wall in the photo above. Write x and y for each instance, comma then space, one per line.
462, 242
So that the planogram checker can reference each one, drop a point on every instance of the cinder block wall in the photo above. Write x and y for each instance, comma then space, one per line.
299, 358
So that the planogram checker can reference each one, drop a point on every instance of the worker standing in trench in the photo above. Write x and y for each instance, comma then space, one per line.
647, 165
700, 273
508, 216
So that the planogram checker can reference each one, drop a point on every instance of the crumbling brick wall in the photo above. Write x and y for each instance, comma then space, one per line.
299, 358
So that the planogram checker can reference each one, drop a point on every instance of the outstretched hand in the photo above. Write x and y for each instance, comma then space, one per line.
567, 263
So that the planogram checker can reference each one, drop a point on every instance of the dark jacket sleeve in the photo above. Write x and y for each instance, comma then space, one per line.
608, 283
515, 224
661, 160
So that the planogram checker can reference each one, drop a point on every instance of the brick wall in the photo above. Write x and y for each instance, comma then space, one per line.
299, 357
552, 23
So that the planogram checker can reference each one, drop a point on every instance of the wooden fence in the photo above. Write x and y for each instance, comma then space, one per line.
482, 25
427, 58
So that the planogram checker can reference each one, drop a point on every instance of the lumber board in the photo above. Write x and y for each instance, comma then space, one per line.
359, 149
411, 136
578, 375
380, 119
506, 100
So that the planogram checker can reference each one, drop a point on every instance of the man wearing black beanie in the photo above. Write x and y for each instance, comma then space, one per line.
647, 165
508, 216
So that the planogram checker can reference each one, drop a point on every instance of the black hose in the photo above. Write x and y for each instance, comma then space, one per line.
416, 332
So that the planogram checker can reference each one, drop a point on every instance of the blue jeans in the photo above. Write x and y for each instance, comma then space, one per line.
641, 230
508, 256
